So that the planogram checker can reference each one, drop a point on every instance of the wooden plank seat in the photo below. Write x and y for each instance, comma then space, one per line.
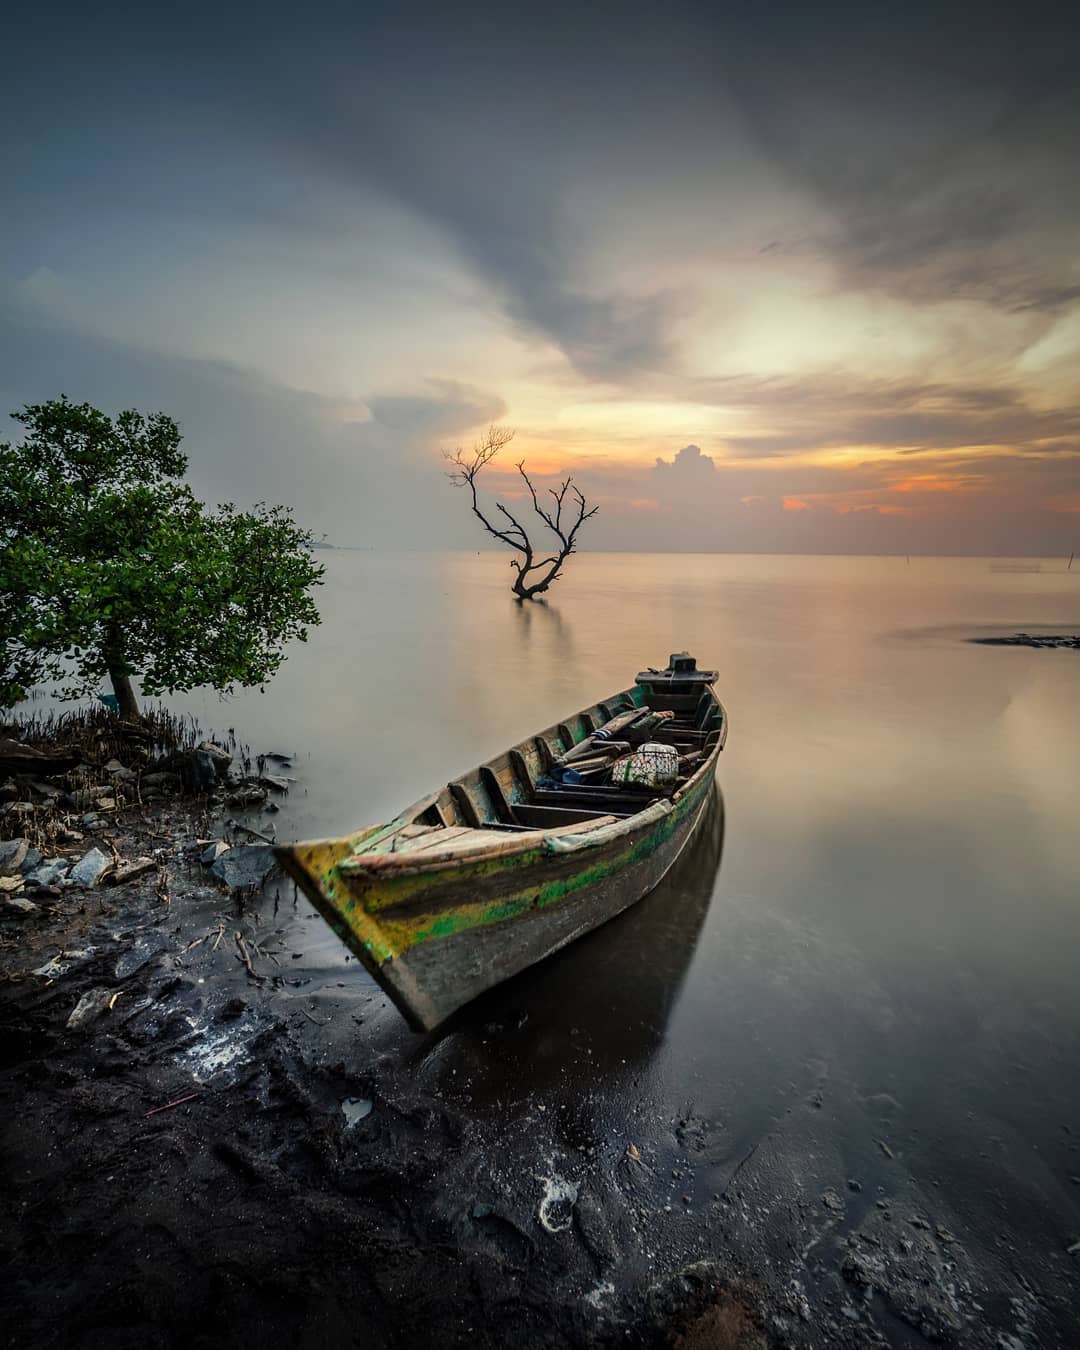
544, 817
680, 736
621, 802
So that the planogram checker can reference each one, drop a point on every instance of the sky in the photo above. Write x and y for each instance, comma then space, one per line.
761, 277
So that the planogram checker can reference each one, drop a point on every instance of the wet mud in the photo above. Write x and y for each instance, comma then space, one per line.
237, 1144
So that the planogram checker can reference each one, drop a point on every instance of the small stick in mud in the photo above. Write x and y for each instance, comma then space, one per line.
742, 1163
245, 956
169, 1105
269, 956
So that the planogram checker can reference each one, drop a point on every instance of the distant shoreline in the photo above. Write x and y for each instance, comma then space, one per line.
1069, 641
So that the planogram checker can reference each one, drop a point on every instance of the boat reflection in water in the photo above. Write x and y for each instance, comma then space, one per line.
595, 1011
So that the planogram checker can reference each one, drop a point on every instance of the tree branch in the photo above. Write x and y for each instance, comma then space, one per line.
466, 468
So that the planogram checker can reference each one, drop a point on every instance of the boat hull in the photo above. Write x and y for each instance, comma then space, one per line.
442, 975
444, 902
493, 918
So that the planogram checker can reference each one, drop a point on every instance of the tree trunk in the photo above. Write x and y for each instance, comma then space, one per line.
530, 590
121, 682
125, 695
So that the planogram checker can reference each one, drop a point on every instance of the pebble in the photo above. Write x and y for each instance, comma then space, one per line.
90, 868
47, 873
92, 1004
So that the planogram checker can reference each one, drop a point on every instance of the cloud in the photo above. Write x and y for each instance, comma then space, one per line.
687, 464
365, 474
834, 248
449, 408
938, 147
796, 415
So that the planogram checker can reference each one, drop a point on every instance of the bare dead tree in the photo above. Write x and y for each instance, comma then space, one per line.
534, 575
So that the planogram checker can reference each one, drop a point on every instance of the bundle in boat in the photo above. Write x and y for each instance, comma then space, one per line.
608, 753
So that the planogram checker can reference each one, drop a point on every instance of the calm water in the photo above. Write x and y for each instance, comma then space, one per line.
892, 927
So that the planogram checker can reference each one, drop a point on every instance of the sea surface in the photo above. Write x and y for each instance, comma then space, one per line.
880, 923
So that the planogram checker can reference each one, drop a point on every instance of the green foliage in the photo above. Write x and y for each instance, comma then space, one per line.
109, 565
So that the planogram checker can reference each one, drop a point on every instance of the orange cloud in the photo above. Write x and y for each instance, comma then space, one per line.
795, 504
936, 482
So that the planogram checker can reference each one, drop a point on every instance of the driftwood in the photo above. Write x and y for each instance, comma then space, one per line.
15, 757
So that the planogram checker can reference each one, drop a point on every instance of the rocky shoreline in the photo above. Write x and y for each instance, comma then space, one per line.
207, 1140
185, 1143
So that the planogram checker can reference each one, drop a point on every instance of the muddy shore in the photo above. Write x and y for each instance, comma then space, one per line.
232, 1146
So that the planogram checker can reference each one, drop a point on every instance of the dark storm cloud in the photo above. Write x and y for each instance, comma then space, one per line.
490, 125
941, 139
495, 131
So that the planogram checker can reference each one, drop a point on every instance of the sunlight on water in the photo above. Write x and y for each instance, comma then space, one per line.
893, 930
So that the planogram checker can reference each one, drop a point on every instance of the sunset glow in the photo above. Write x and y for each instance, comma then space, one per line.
844, 301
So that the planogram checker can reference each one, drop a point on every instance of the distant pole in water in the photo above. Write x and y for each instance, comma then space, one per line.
1071, 557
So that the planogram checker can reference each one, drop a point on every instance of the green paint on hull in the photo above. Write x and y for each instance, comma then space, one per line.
385, 938
384, 903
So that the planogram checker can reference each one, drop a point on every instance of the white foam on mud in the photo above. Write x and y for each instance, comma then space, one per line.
595, 1298
216, 1051
557, 1204
62, 963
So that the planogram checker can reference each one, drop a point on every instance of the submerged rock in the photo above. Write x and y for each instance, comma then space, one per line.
1051, 640
244, 867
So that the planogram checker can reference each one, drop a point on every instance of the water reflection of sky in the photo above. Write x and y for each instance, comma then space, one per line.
894, 926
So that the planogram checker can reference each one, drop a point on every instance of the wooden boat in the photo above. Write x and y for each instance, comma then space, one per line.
504, 865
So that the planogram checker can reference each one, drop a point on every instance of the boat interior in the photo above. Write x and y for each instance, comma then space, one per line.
520, 790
